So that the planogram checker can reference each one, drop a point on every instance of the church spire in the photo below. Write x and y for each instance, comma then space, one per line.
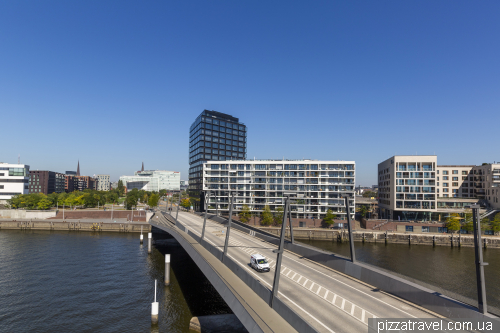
78, 169
142, 167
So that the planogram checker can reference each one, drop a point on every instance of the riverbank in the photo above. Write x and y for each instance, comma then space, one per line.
387, 237
76, 225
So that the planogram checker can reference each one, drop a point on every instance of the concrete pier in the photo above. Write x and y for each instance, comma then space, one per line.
217, 323
89, 225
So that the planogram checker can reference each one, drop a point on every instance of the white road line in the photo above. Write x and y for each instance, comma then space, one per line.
304, 282
343, 303
334, 298
311, 287
317, 292
293, 276
288, 299
362, 315
327, 291
352, 309
289, 271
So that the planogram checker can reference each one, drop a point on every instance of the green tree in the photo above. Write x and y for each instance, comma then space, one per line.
495, 223
186, 203
362, 211
153, 200
278, 215
121, 188
44, 203
369, 194
267, 216
329, 218
130, 202
453, 222
245, 214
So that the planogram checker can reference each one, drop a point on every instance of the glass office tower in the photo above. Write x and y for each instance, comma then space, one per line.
214, 136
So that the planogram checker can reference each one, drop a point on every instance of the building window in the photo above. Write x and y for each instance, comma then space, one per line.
455, 172
455, 179
454, 184
445, 172
409, 228
464, 172
445, 178
442, 229
1, 187
425, 229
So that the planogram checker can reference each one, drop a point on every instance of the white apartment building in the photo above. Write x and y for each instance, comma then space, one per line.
453, 181
487, 184
153, 180
103, 182
407, 187
14, 180
316, 186
415, 188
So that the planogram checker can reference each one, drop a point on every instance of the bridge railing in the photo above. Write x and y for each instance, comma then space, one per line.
292, 317
396, 285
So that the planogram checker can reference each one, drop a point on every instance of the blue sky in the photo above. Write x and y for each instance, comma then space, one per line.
115, 83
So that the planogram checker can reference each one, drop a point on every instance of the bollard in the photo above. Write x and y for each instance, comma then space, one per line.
486, 243
149, 242
141, 235
434, 240
386, 238
154, 310
167, 269
363, 237
451, 240
409, 239
460, 240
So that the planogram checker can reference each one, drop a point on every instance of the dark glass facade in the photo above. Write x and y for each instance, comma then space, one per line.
214, 136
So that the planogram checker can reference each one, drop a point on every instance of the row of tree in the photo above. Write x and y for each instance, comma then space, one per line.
146, 197
84, 199
268, 218
455, 222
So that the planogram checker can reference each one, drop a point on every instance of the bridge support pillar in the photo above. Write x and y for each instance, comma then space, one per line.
149, 242
167, 269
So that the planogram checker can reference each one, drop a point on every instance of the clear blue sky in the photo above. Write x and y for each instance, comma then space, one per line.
115, 83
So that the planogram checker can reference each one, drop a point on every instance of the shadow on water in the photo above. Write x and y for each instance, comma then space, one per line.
448, 270
201, 297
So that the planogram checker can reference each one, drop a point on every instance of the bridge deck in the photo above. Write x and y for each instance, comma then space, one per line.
327, 299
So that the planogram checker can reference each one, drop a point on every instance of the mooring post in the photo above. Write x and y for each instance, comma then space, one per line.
149, 242
409, 239
386, 237
167, 269
363, 237
154, 310
141, 238
486, 243
434, 240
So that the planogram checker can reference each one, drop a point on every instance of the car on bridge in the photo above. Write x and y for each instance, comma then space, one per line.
259, 263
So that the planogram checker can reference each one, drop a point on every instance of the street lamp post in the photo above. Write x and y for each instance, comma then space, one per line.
207, 200
226, 243
481, 288
349, 227
279, 251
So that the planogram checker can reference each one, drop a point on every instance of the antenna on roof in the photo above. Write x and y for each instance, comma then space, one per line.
19, 159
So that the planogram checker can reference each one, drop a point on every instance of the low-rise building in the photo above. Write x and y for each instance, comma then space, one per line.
46, 182
103, 183
316, 186
153, 180
14, 180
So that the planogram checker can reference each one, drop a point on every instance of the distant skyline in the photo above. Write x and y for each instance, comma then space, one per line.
115, 84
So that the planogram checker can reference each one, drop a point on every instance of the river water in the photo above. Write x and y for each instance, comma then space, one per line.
96, 282
448, 270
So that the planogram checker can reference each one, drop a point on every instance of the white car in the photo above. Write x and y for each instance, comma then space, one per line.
258, 262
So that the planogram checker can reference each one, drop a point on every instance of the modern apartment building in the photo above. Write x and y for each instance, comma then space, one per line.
14, 180
103, 183
214, 136
414, 188
407, 187
486, 179
153, 180
46, 182
316, 186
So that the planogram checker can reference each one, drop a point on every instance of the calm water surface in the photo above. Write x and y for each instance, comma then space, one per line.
444, 269
96, 282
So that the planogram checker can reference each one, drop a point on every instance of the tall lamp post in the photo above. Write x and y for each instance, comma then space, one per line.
481, 288
349, 227
207, 201
228, 230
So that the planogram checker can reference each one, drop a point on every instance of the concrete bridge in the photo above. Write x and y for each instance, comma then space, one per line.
318, 291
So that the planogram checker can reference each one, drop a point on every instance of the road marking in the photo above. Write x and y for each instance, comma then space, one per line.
343, 303
327, 291
304, 282
311, 287
334, 298
362, 315
352, 309
317, 292
293, 276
